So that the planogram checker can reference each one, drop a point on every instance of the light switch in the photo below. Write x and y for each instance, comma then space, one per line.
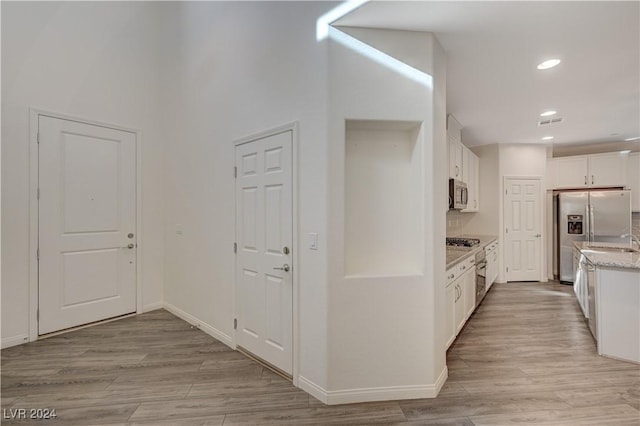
313, 241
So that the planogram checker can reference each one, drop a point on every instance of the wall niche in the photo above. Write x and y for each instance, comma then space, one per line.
384, 198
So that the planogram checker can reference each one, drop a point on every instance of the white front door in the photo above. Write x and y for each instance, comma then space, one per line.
523, 229
86, 223
264, 235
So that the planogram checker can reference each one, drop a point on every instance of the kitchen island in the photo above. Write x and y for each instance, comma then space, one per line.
609, 277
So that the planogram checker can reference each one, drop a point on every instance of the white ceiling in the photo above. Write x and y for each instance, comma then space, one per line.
493, 86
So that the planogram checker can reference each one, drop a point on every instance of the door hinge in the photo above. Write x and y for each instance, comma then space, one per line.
235, 323
235, 172
38, 196
38, 253
235, 247
507, 269
38, 314
38, 137
506, 230
506, 192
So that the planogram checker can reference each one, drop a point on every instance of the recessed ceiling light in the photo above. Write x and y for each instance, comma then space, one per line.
626, 151
547, 138
632, 139
547, 113
549, 63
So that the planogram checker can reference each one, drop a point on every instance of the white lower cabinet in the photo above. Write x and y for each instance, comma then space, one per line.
461, 297
469, 290
492, 264
450, 325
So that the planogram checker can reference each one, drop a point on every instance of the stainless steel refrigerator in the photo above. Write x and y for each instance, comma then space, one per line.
595, 216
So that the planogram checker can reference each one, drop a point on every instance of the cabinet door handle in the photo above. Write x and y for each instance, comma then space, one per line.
457, 170
592, 182
585, 180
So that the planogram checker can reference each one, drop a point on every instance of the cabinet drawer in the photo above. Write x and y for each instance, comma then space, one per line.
491, 247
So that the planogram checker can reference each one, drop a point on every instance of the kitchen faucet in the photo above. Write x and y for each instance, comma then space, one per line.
633, 237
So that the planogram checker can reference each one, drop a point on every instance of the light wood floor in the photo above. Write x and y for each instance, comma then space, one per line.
525, 357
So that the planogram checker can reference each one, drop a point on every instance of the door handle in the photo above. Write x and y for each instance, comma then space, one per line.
285, 268
537, 235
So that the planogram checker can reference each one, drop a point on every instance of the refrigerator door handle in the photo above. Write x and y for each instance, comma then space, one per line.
587, 223
591, 225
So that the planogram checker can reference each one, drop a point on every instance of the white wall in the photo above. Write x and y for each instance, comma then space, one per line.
496, 162
97, 61
235, 69
385, 339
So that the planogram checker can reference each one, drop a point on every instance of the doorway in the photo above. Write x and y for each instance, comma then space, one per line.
86, 217
523, 228
264, 283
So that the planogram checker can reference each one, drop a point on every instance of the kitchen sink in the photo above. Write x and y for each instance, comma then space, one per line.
613, 249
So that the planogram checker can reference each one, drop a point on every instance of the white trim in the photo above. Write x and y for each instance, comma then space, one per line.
293, 128
542, 272
210, 330
152, 307
20, 339
387, 393
34, 114
316, 391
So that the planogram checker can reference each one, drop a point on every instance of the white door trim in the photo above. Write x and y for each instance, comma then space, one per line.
34, 113
293, 128
542, 194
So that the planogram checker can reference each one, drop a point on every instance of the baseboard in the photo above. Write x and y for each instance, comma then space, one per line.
442, 379
389, 393
312, 389
152, 307
211, 331
7, 342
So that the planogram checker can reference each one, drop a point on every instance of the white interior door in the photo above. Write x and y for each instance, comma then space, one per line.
264, 229
523, 229
86, 223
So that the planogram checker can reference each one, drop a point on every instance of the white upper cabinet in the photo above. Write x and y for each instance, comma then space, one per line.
454, 131
471, 176
569, 172
464, 165
633, 180
608, 169
588, 171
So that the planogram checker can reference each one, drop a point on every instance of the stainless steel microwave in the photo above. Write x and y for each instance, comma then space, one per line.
458, 195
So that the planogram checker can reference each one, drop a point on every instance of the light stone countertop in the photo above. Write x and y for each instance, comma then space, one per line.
609, 259
458, 254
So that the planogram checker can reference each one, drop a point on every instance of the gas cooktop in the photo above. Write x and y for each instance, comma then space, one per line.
463, 242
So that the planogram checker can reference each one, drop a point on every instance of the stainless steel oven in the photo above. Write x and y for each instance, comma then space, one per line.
458, 195
481, 276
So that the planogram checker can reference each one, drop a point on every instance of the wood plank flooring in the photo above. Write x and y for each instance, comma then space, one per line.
525, 357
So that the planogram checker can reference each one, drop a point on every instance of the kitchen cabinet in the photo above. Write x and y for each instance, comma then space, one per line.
450, 325
492, 263
617, 306
461, 297
588, 171
471, 176
633, 180
469, 290
455, 147
455, 159
608, 169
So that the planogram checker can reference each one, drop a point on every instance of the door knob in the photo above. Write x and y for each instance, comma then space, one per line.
285, 268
